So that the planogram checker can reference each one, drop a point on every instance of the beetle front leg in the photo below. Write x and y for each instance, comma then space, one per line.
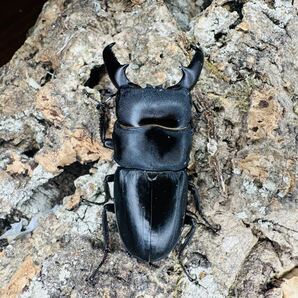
105, 231
196, 197
104, 125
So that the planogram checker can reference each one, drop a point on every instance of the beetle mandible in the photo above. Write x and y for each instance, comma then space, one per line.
151, 141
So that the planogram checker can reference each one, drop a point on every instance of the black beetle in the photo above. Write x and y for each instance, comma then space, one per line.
152, 141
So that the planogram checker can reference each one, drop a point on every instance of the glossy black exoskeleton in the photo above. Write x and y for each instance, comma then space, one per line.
152, 141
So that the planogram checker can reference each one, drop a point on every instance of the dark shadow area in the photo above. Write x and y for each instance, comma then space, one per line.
96, 73
64, 182
16, 18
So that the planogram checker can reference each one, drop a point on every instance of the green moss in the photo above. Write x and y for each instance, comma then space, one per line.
242, 91
211, 67
238, 92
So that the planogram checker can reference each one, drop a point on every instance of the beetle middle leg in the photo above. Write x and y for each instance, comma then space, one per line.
106, 237
108, 197
196, 197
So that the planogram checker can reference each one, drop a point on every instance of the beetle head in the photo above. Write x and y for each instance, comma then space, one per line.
116, 71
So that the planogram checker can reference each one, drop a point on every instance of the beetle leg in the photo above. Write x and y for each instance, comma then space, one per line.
105, 231
153, 265
108, 197
108, 178
196, 197
188, 220
104, 125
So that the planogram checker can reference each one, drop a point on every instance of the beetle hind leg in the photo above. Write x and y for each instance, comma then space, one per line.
108, 207
196, 197
106, 237
188, 220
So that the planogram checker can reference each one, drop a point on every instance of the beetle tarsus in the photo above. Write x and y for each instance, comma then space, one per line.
92, 278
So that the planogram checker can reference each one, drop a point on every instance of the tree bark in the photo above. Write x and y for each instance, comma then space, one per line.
244, 154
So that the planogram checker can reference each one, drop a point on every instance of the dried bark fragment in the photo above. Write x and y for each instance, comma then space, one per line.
21, 278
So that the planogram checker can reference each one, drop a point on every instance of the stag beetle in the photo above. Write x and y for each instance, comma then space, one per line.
152, 141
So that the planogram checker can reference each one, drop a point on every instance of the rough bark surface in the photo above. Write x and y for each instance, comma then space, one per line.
244, 157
